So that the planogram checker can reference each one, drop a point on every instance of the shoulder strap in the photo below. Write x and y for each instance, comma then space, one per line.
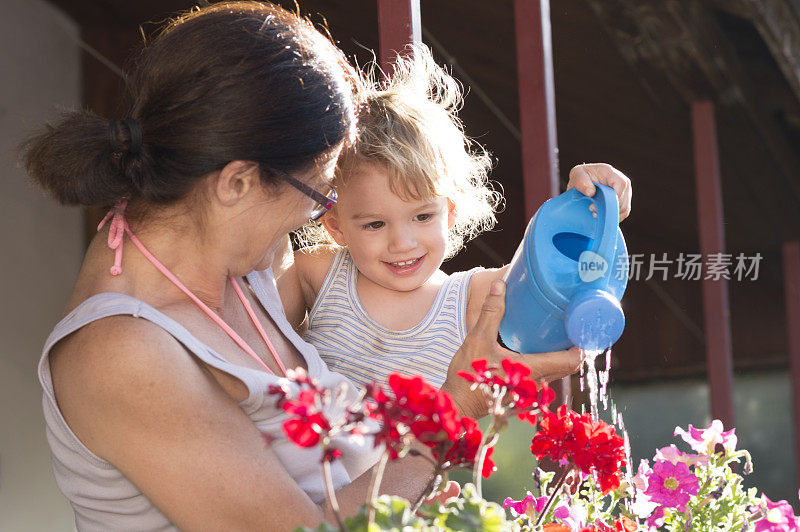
335, 279
459, 292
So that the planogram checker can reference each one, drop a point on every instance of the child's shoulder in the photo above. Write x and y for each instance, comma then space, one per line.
317, 253
312, 264
478, 289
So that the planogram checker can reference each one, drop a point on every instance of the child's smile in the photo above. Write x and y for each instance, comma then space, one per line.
405, 267
397, 243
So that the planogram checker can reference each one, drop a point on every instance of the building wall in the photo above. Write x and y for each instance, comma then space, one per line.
41, 246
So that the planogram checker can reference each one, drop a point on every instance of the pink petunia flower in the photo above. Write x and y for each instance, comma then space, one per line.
673, 455
672, 485
655, 521
521, 507
540, 503
779, 517
573, 516
641, 505
640, 479
704, 441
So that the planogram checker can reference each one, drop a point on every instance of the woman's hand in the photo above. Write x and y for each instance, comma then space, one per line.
481, 342
584, 176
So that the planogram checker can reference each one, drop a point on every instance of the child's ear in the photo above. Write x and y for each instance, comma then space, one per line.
451, 213
331, 223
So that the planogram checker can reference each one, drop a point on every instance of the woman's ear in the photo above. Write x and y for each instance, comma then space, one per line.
331, 223
451, 213
234, 181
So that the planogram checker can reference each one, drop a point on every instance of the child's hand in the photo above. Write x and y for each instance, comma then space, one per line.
583, 176
481, 342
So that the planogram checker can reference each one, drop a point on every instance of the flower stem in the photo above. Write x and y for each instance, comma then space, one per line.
488, 438
553, 495
477, 474
375, 486
329, 491
414, 452
433, 483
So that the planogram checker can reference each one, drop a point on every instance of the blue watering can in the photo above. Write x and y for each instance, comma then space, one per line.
565, 281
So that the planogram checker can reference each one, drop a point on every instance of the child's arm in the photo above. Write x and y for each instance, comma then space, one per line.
477, 291
301, 282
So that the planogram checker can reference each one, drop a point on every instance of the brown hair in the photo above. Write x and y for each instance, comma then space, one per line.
231, 81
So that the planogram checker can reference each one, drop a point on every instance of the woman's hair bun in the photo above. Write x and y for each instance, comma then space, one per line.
75, 162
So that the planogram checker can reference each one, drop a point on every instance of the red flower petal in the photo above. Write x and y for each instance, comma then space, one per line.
592, 446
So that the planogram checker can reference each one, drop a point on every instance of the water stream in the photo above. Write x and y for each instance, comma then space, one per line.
594, 381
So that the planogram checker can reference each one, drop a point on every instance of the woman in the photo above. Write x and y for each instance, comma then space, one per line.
155, 381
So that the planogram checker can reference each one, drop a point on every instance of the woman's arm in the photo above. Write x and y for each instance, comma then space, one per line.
162, 418
485, 310
481, 342
477, 291
136, 398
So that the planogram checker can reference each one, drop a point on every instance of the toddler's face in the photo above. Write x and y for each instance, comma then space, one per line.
397, 243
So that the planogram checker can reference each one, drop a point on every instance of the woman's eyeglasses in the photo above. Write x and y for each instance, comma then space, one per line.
325, 201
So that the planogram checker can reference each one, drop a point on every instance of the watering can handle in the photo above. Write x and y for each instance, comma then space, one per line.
605, 200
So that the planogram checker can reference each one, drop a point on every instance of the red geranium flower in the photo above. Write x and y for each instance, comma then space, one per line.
625, 524
331, 454
523, 391
592, 446
306, 422
556, 527
304, 405
464, 452
416, 407
482, 373
306, 431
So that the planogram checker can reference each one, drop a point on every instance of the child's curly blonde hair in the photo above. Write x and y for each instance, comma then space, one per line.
408, 123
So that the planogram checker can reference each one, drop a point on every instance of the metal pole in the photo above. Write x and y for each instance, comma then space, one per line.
537, 102
537, 115
791, 285
716, 310
399, 24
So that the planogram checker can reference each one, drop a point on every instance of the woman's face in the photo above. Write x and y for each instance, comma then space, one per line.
292, 207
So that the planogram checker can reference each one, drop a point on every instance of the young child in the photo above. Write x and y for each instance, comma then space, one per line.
412, 188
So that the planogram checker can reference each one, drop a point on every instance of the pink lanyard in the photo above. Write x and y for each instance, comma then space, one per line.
117, 230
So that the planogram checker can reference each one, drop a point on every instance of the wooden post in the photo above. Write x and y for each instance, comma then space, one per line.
791, 285
537, 102
537, 115
716, 311
399, 24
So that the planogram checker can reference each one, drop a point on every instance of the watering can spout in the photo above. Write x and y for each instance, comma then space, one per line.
594, 320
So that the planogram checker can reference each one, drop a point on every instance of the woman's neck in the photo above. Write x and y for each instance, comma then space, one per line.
200, 262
